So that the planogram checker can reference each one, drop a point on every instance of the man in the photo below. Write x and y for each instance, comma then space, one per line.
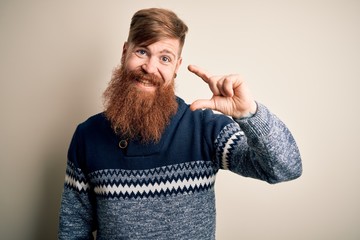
145, 168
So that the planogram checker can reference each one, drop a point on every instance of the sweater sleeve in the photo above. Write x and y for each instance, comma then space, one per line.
260, 147
77, 203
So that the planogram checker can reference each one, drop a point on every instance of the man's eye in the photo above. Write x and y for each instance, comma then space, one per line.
165, 59
141, 52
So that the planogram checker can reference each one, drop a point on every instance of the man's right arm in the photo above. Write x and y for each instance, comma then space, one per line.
77, 204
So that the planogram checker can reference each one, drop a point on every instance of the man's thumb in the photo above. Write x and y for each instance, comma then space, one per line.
201, 104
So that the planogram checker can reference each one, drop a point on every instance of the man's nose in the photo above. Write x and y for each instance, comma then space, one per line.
150, 66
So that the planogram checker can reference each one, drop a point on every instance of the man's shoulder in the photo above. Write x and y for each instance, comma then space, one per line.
95, 121
99, 117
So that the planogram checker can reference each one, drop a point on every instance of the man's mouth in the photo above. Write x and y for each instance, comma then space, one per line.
146, 83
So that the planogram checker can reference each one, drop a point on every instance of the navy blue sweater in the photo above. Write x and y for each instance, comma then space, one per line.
166, 190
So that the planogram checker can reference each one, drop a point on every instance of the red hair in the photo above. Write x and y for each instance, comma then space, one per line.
153, 24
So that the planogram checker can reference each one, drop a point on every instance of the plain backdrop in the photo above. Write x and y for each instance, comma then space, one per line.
300, 58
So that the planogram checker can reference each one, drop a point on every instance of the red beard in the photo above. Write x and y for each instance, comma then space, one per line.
136, 114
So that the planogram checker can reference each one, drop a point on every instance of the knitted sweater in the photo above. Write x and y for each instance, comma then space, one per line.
166, 190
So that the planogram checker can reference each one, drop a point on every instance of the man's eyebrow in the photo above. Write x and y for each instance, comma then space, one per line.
168, 52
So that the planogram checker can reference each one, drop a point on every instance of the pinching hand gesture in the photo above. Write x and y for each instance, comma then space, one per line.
231, 96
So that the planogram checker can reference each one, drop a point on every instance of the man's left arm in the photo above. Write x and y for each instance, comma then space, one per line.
260, 145
267, 150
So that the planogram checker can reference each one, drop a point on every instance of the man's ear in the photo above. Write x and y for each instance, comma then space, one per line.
125, 48
178, 64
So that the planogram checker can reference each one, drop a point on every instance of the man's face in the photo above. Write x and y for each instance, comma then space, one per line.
140, 98
160, 59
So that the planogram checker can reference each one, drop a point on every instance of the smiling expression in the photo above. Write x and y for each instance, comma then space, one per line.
160, 59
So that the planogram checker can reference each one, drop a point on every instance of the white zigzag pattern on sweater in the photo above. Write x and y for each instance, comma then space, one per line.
155, 188
228, 147
79, 185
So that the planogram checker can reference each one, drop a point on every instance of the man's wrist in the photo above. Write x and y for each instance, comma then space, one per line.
250, 114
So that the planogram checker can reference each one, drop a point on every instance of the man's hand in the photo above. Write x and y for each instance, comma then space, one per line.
231, 96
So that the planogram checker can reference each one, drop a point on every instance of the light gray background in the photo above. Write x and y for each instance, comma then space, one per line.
300, 58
